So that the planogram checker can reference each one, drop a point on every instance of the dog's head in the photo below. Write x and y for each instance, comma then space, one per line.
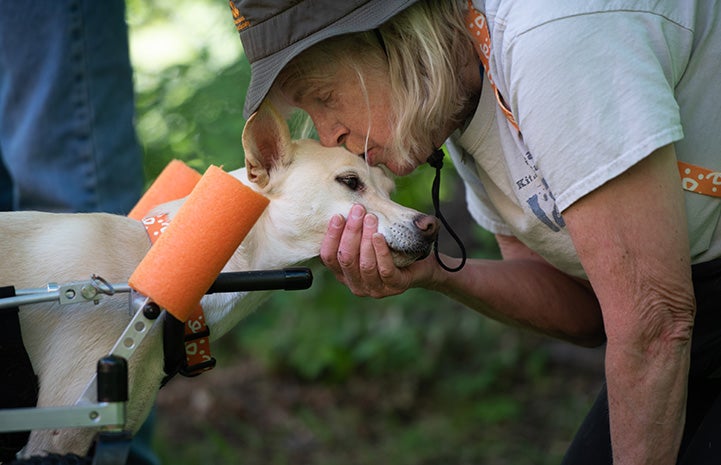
308, 184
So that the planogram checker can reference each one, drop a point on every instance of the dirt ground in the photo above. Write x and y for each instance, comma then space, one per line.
244, 414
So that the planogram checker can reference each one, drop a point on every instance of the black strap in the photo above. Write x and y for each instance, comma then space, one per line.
436, 161
111, 448
18, 383
173, 347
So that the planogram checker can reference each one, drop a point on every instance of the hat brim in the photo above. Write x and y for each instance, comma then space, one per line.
265, 70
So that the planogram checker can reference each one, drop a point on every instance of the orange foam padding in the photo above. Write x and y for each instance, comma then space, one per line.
189, 255
176, 181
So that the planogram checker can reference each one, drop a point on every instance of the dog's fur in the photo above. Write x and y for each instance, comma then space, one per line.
307, 184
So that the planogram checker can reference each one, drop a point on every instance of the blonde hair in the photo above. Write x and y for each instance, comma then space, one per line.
422, 50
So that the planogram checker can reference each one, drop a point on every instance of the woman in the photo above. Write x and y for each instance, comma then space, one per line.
570, 130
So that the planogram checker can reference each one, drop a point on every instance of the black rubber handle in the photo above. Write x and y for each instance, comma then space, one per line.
288, 279
112, 379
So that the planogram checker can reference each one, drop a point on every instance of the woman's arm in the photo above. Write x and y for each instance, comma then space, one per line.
631, 237
526, 291
522, 290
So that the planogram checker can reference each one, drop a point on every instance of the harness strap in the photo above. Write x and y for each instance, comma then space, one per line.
195, 334
174, 358
694, 178
699, 179
18, 382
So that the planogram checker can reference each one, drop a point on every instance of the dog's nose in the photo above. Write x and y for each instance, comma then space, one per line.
427, 225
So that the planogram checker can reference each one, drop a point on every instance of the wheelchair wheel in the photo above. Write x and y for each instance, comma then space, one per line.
54, 459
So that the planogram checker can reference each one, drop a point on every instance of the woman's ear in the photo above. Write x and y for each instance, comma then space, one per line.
267, 144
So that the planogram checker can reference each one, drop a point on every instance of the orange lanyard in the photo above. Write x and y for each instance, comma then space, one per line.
693, 178
478, 27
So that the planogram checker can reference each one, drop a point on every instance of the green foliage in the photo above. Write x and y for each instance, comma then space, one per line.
200, 128
189, 87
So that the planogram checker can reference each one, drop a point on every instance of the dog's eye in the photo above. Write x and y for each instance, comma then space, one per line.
352, 181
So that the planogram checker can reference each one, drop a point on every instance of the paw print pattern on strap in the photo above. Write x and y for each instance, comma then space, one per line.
699, 179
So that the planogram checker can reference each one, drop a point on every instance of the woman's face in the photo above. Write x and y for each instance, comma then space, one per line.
355, 114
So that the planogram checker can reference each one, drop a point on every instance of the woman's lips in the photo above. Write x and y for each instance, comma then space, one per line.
370, 157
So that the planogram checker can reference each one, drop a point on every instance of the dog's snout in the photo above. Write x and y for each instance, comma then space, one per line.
427, 225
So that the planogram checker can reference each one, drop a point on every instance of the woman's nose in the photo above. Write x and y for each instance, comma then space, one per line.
333, 136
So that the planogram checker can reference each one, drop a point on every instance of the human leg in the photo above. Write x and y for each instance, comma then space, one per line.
592, 443
66, 106
702, 439
6, 187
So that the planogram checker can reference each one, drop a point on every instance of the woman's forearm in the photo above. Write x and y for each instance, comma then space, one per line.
647, 400
527, 293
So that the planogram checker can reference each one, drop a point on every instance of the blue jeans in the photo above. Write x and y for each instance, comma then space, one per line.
67, 140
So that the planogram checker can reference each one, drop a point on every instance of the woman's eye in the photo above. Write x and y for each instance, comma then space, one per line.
351, 181
325, 98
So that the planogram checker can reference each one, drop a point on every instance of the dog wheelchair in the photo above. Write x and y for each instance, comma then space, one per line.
103, 402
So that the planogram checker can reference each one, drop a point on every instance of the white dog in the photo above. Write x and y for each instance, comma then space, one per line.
306, 183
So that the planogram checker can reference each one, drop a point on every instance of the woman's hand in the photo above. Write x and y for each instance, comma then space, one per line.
360, 258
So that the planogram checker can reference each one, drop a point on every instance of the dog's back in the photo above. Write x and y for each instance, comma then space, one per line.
81, 244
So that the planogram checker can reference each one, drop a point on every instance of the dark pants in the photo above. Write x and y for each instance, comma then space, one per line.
701, 442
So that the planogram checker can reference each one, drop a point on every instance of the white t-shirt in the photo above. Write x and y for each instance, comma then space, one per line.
595, 86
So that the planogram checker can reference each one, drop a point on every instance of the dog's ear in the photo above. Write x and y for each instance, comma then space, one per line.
267, 144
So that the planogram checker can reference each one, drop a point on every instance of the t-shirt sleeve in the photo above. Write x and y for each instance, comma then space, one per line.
594, 95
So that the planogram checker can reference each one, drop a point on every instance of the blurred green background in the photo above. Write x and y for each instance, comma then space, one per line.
322, 376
